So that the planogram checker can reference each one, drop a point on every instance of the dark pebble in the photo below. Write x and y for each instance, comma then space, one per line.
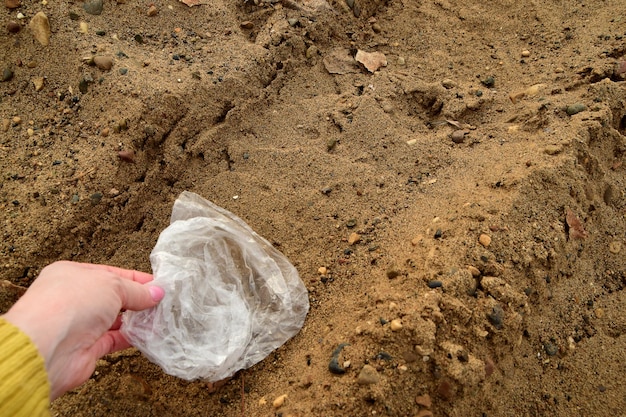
16, 203
489, 82
139, 39
438, 234
123, 71
347, 251
550, 348
100, 32
435, 284
74, 16
496, 317
13, 27
93, 7
384, 356
95, 198
573, 109
351, 223
7, 74
601, 388
326, 190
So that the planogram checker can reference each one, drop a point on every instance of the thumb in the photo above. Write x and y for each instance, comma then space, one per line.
135, 296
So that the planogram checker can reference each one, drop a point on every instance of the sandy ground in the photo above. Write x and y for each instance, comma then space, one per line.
466, 200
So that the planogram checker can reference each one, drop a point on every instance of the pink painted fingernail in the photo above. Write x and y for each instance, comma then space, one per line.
157, 293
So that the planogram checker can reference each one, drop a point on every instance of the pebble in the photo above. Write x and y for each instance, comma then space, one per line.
489, 82
279, 401
393, 272
435, 284
496, 317
38, 83
123, 71
293, 22
576, 108
153, 10
525, 53
105, 63
247, 25
95, 198
458, 136
448, 84
93, 7
13, 27
354, 238
6, 124
474, 271
424, 400
7, 74
368, 375
377, 28
17, 120
550, 348
12, 4
484, 240
615, 247
83, 27
40, 28
322, 270
396, 324
553, 149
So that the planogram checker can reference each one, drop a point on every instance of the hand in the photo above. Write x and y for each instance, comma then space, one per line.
71, 313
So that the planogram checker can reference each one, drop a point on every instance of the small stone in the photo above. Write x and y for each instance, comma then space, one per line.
392, 272
377, 28
484, 240
40, 28
83, 27
401, 61
424, 401
435, 284
123, 71
388, 108
12, 4
127, 156
525, 53
474, 271
489, 82
354, 238
573, 109
95, 198
38, 83
114, 192
279, 401
351, 223
13, 27
396, 325
615, 247
247, 25
93, 7
17, 120
424, 413
550, 348
416, 240
458, 136
322, 270
553, 149
496, 317
153, 10
6, 124
448, 84
311, 51
293, 22
104, 63
368, 375
30, 131
7, 74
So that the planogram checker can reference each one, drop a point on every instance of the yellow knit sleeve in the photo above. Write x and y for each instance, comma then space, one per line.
24, 387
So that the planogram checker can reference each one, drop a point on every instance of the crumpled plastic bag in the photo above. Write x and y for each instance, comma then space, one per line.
230, 298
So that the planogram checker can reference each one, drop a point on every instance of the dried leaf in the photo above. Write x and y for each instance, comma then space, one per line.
454, 123
576, 229
371, 60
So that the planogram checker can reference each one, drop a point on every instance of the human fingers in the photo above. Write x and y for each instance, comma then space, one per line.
135, 296
130, 274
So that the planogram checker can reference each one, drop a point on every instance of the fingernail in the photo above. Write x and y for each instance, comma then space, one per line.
157, 293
